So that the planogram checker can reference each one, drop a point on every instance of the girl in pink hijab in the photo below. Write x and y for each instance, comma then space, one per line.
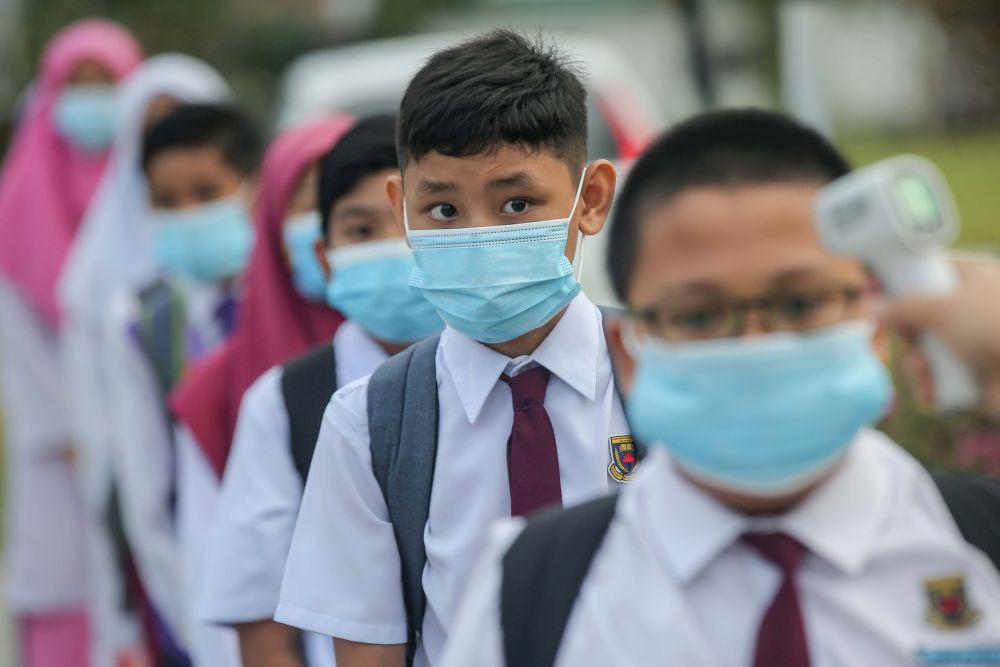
56, 158
58, 154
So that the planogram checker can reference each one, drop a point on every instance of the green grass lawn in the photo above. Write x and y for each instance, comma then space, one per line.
971, 163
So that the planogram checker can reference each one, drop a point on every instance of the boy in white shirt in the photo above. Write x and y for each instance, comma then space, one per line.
514, 407
772, 526
197, 161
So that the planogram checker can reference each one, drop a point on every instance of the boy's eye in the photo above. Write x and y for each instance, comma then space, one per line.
360, 233
442, 212
164, 201
206, 192
515, 206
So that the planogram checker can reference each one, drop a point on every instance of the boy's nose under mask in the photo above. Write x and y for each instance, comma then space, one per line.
764, 415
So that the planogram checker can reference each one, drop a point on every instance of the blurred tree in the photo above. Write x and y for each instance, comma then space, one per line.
399, 17
248, 41
969, 79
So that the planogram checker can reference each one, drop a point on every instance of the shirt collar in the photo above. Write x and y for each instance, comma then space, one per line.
571, 352
839, 522
685, 526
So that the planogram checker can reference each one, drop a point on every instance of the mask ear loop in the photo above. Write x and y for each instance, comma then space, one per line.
578, 258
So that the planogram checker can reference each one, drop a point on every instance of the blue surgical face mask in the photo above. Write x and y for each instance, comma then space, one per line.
762, 415
496, 283
208, 243
371, 285
300, 234
85, 114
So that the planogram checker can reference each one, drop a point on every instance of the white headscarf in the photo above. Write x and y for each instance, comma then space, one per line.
113, 249
113, 252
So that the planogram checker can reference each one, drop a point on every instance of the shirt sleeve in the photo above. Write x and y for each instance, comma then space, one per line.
477, 638
197, 494
258, 504
343, 576
143, 467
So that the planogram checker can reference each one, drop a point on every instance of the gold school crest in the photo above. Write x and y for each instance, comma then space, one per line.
949, 605
624, 458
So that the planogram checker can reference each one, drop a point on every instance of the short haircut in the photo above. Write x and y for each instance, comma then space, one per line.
366, 149
494, 90
724, 148
200, 125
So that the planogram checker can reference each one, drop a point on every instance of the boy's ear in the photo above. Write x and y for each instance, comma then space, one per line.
394, 189
597, 195
623, 362
319, 248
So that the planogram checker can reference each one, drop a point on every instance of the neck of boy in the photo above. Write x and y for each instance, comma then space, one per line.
390, 348
757, 505
527, 343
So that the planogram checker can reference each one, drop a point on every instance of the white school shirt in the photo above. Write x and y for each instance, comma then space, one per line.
44, 519
673, 585
259, 500
144, 463
342, 577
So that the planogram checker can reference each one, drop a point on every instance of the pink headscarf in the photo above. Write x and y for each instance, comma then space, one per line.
275, 321
46, 182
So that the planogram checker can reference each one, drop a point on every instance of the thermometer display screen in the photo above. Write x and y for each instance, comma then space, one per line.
917, 204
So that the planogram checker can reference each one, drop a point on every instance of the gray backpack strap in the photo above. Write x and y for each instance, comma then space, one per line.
161, 331
403, 398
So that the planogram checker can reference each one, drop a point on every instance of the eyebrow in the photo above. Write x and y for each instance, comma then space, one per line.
355, 211
518, 179
436, 187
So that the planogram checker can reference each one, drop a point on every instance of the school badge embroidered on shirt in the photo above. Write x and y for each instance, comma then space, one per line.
624, 458
949, 606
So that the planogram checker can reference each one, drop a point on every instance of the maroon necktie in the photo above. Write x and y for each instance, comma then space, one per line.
781, 639
532, 460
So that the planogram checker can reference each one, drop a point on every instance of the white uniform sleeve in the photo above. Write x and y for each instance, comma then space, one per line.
143, 466
259, 501
476, 637
343, 573
197, 493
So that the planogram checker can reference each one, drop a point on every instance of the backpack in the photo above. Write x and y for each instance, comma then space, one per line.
403, 398
546, 565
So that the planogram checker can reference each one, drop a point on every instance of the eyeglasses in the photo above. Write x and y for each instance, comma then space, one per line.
717, 316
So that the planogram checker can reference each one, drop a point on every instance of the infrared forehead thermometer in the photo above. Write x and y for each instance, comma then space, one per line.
898, 217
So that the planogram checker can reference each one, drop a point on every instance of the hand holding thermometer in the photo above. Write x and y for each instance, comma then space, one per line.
898, 217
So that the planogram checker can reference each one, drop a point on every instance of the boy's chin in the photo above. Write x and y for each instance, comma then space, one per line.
760, 501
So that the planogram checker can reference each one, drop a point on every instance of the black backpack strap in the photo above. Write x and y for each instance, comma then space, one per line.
542, 574
307, 383
403, 398
974, 502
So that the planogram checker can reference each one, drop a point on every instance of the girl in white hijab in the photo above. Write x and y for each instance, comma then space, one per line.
113, 253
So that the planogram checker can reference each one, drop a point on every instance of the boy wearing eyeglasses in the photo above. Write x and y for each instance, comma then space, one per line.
771, 525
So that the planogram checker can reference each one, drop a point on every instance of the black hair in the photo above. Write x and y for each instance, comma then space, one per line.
729, 147
495, 89
366, 149
196, 125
